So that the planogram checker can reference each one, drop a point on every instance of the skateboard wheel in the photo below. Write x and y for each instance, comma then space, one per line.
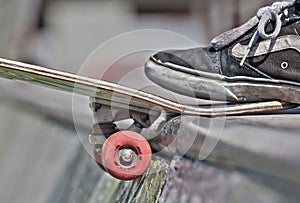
126, 155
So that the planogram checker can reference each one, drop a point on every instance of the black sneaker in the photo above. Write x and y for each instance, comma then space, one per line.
257, 61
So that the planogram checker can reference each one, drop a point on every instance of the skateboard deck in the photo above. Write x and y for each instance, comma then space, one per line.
122, 96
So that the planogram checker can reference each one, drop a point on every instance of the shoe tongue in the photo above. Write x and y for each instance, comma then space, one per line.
230, 36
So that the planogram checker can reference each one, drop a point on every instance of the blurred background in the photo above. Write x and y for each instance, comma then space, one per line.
62, 33
40, 153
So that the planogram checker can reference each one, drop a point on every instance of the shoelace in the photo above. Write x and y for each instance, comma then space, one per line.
263, 17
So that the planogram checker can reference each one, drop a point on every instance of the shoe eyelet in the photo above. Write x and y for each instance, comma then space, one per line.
284, 65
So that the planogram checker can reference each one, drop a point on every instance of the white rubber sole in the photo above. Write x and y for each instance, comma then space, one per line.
217, 87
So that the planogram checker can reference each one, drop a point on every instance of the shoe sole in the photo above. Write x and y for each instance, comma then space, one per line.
211, 86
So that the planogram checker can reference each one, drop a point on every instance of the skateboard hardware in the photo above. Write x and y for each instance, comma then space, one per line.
124, 153
120, 156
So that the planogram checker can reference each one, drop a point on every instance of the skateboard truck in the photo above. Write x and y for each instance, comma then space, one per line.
124, 154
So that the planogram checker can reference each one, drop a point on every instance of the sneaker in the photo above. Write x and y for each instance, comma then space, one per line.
257, 61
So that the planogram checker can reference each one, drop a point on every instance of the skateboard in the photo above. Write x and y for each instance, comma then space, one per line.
124, 153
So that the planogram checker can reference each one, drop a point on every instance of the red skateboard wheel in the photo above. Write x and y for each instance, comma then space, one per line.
126, 155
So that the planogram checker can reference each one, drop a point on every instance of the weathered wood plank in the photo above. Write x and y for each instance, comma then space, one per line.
254, 146
190, 181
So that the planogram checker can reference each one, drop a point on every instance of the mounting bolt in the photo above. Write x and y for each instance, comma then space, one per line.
144, 117
127, 157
